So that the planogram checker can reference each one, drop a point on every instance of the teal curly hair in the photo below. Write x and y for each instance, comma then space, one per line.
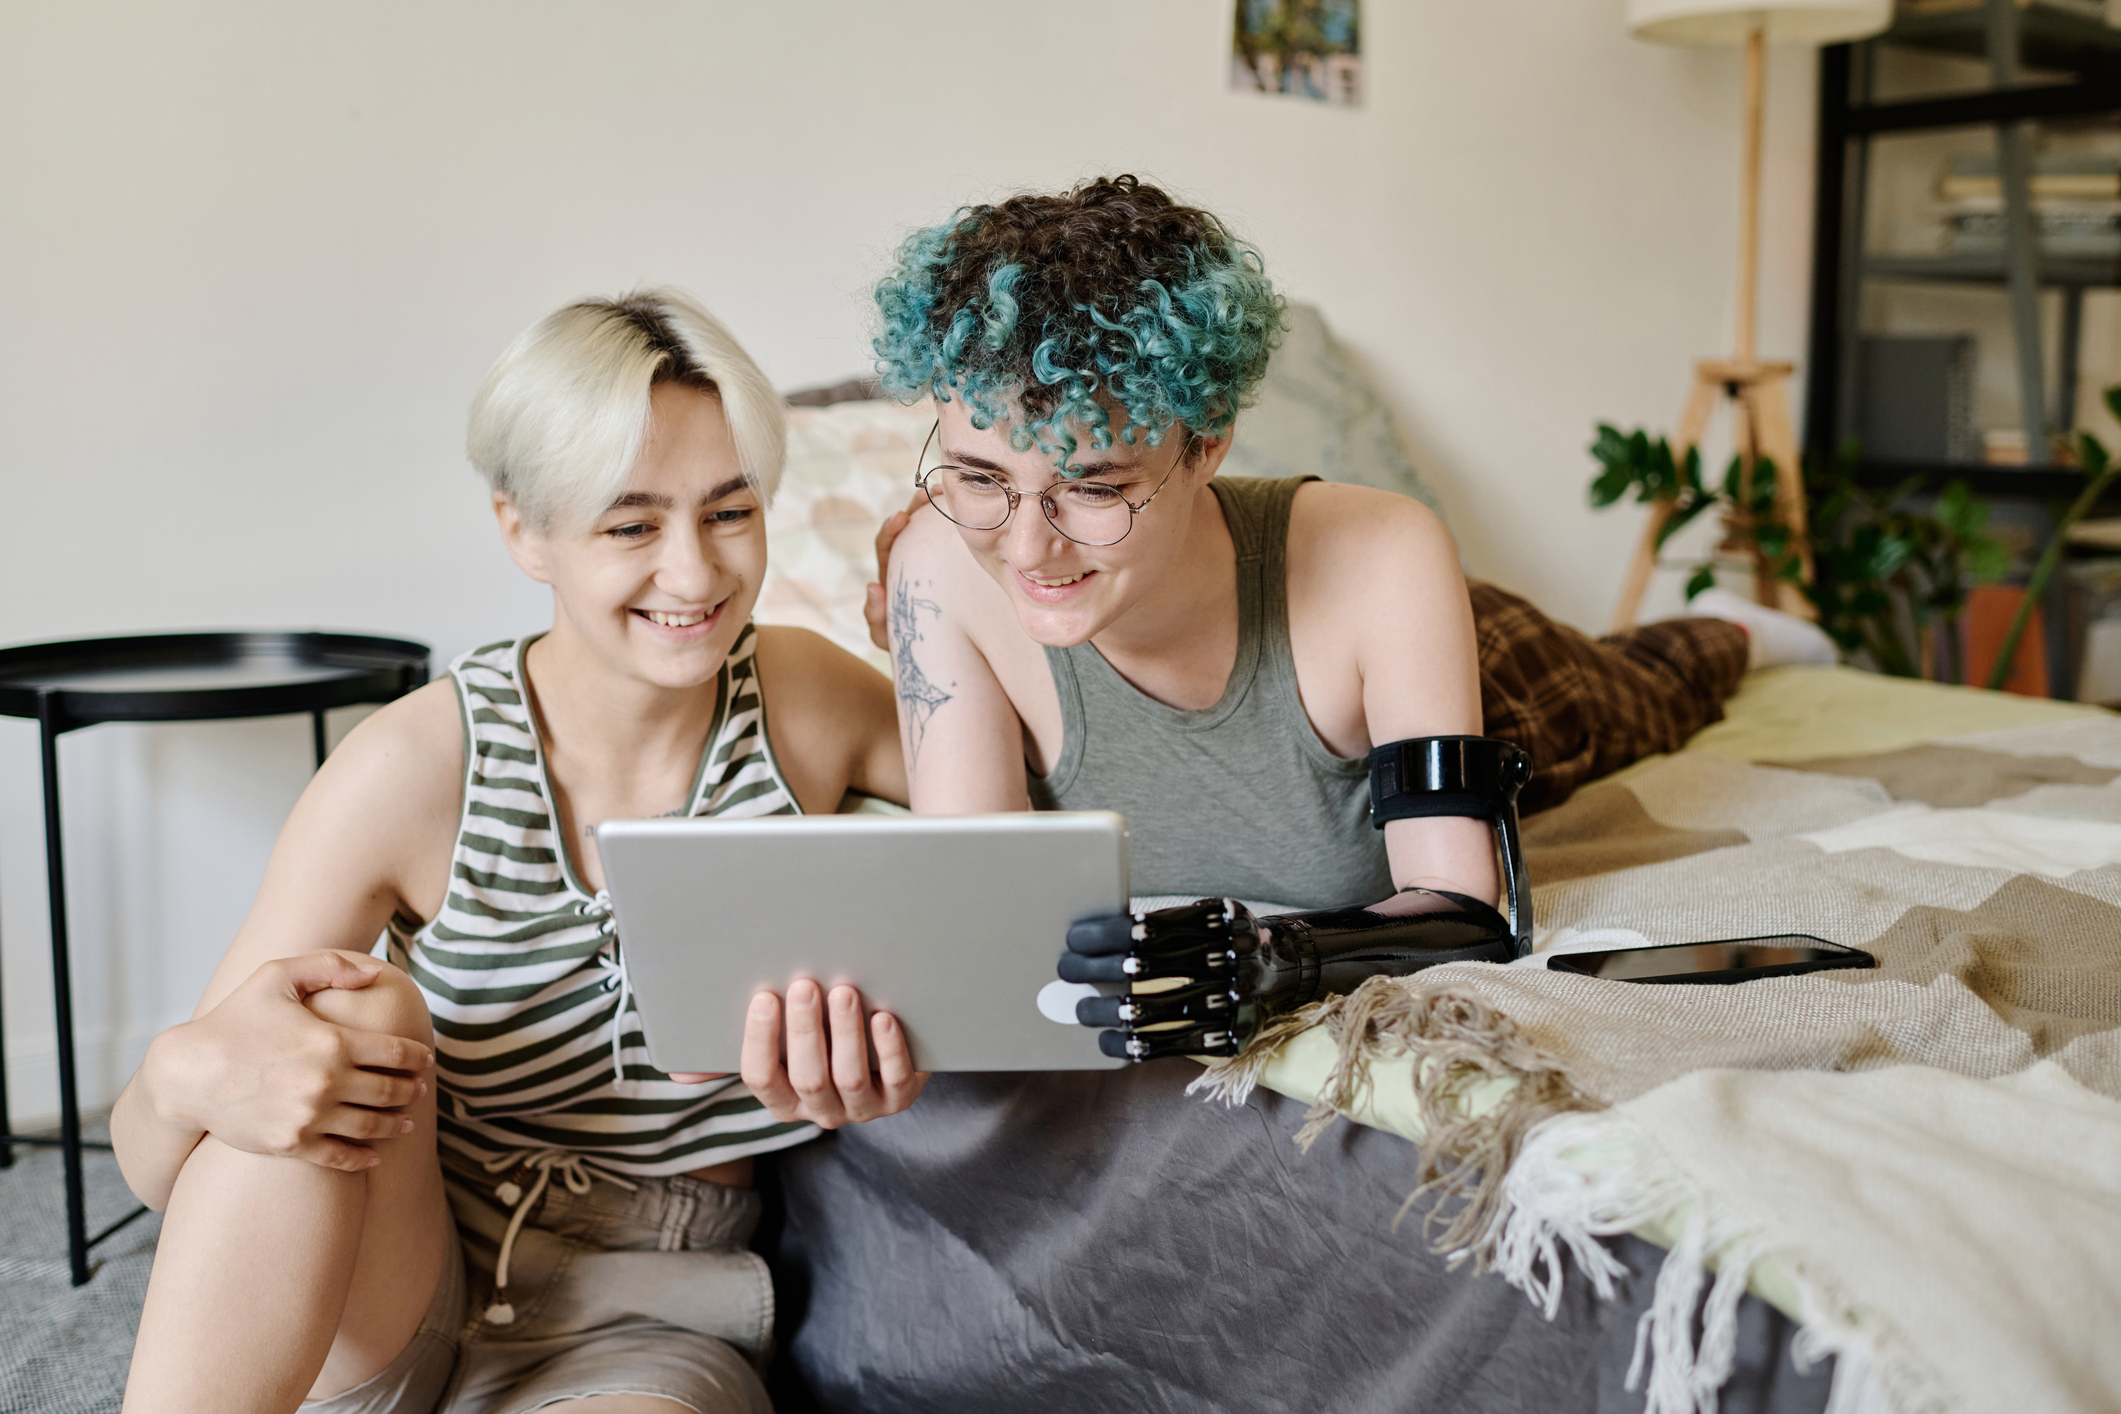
1051, 310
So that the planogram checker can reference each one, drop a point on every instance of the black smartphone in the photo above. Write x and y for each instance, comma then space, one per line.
1730, 960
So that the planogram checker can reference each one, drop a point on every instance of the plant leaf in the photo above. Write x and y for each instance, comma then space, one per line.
2091, 454
1987, 561
1687, 511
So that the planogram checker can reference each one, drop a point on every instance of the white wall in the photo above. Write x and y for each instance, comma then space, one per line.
255, 257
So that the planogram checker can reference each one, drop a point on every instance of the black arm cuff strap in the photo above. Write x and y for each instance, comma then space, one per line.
1475, 776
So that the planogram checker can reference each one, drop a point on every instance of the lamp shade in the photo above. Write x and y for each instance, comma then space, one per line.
1729, 21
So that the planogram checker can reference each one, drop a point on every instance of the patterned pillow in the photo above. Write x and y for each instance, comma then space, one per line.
849, 466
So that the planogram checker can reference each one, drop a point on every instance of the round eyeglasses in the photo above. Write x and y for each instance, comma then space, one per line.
1087, 512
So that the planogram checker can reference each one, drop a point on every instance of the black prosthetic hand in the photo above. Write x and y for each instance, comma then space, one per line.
1201, 978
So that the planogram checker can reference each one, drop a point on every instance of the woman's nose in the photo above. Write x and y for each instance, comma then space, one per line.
1030, 536
689, 567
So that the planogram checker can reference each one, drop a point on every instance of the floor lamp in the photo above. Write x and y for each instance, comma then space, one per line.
1757, 391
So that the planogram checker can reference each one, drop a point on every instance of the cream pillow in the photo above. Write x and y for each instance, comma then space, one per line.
1319, 415
850, 465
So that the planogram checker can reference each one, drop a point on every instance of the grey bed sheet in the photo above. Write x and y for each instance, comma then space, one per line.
1103, 1241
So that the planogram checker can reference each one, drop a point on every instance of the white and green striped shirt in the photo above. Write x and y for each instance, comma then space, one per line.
521, 968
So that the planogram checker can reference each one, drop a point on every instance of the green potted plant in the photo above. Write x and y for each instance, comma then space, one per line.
1885, 575
2099, 468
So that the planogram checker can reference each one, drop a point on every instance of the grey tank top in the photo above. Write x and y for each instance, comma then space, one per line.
1240, 799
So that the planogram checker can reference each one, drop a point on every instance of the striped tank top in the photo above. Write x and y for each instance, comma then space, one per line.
536, 1044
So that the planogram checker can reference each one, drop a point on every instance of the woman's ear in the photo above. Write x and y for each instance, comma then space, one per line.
526, 546
1208, 454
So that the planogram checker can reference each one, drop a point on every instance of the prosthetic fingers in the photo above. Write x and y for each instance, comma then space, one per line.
1201, 978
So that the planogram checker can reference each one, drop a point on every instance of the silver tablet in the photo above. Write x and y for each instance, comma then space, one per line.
950, 923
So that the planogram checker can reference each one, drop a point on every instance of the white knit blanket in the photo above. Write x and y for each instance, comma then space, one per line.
1954, 1243
1921, 1163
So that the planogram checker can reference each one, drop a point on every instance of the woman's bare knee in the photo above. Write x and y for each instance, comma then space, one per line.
391, 1004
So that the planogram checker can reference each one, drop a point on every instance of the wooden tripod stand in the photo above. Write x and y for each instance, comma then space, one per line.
1759, 394
1760, 410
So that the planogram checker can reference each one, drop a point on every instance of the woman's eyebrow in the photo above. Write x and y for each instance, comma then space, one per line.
1099, 468
951, 458
657, 501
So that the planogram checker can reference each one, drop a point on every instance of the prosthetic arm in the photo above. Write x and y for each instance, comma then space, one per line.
1201, 978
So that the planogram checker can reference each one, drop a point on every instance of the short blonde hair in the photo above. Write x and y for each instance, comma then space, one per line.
563, 416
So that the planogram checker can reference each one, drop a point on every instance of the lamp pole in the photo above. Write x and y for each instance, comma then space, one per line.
1749, 191
1757, 391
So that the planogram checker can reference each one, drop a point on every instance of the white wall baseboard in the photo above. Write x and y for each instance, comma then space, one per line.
105, 1059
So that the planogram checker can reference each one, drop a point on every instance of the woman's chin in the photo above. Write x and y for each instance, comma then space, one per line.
683, 678
677, 666
1057, 628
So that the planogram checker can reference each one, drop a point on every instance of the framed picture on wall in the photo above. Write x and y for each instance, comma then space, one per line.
1308, 49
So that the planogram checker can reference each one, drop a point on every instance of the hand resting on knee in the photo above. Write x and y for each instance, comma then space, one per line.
313, 1057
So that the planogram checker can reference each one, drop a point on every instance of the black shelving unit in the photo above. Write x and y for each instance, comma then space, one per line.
2080, 57
2050, 37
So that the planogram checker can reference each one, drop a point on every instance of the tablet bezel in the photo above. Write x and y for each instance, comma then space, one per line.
933, 918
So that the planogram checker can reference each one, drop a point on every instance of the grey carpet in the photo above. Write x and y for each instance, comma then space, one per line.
63, 1350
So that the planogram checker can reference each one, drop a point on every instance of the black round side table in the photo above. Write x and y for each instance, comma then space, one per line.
169, 677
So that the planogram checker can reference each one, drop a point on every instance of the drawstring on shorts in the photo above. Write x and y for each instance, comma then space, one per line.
574, 1171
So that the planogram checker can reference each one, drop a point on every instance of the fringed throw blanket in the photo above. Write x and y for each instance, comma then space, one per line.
1922, 1162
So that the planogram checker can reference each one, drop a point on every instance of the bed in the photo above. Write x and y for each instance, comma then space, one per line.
1108, 1240
1111, 1240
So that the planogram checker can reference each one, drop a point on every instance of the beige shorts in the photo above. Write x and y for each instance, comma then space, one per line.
613, 1292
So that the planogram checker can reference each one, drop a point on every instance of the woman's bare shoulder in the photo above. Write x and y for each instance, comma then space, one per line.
401, 769
418, 733
1368, 565
804, 660
935, 579
831, 718
1361, 517
371, 836
931, 559
930, 542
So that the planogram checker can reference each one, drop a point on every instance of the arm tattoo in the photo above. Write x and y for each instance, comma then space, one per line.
917, 695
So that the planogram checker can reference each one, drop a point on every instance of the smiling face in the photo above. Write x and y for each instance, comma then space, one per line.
658, 586
1066, 593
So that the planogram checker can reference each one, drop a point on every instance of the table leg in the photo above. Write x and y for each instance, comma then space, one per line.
7, 1128
63, 1003
316, 736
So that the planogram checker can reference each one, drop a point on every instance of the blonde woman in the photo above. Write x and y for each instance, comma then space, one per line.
577, 1234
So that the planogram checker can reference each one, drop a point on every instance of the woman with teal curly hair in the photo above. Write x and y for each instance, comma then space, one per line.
1097, 619
1064, 314
1088, 611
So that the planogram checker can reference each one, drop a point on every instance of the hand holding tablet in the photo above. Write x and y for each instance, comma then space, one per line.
947, 926
826, 1078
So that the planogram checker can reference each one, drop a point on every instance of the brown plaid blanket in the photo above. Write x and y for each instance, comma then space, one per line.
1586, 707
